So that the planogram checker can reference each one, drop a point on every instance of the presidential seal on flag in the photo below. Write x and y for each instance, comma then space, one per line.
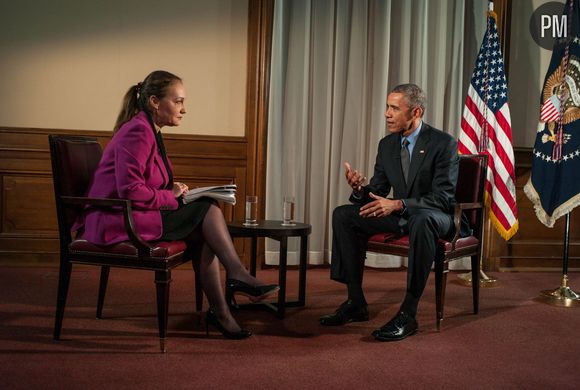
554, 184
562, 87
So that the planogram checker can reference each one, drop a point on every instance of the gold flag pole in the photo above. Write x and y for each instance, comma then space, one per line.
484, 279
563, 295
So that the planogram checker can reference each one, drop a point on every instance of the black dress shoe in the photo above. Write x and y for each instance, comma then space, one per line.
401, 326
346, 312
255, 293
211, 319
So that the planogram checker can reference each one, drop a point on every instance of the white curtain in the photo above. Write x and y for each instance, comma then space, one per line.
333, 63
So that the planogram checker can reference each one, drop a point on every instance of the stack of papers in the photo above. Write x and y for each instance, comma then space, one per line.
225, 193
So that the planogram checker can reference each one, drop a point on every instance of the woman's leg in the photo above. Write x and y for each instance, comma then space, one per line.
208, 267
215, 233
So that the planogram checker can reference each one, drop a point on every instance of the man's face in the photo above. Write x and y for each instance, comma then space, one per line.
400, 117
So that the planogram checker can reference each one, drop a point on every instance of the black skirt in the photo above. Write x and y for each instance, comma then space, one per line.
180, 223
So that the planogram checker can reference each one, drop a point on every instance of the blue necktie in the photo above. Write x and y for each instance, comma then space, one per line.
405, 158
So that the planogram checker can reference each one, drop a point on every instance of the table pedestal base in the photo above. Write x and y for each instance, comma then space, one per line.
275, 230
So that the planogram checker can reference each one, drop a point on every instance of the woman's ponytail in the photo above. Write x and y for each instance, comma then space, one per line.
155, 84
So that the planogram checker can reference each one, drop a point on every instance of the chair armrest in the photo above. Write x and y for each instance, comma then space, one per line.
143, 248
457, 213
470, 206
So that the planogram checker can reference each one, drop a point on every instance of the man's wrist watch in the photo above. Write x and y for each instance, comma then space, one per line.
403, 209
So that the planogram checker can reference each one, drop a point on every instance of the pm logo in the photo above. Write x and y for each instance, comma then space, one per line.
549, 24
554, 26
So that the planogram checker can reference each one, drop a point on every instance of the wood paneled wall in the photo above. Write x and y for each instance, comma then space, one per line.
28, 228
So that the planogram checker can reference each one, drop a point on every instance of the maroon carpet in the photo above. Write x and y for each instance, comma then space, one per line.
515, 341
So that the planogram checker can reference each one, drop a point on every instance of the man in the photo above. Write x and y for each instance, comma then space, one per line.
420, 164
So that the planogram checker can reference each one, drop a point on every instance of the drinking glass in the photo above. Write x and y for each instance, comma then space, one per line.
288, 211
251, 211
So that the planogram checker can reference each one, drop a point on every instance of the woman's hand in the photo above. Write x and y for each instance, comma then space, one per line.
179, 189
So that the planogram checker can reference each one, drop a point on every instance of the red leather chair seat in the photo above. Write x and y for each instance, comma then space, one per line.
161, 249
403, 242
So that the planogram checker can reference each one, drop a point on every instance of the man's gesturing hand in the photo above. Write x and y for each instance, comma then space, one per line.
354, 178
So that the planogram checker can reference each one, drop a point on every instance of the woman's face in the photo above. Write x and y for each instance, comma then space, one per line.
169, 110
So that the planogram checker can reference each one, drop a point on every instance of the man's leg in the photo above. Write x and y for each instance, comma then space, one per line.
425, 227
350, 233
348, 252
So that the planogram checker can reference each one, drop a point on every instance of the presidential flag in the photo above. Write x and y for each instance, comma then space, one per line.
554, 185
486, 129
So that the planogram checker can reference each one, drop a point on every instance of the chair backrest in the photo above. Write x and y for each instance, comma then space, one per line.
74, 161
471, 186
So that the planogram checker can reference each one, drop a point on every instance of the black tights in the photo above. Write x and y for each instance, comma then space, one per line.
213, 240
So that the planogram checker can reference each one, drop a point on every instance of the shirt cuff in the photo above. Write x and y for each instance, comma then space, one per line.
356, 196
403, 211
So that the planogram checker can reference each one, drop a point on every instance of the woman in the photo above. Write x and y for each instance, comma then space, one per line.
134, 166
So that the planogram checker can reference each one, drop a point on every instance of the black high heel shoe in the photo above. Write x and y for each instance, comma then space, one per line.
211, 318
255, 293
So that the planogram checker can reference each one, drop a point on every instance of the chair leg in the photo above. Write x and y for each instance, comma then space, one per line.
440, 284
102, 290
198, 293
162, 283
63, 284
198, 287
475, 273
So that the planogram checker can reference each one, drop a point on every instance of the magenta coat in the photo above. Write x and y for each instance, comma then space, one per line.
131, 168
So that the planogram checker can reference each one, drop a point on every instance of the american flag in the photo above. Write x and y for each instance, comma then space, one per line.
486, 129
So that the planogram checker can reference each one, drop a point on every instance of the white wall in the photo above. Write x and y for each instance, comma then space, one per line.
66, 64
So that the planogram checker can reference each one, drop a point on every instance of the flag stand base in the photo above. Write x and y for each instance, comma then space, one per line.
484, 280
562, 296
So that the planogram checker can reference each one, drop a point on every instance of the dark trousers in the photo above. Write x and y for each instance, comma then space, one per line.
350, 234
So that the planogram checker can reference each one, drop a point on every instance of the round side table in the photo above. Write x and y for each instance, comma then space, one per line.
275, 230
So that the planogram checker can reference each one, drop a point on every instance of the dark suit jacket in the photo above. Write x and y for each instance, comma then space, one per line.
432, 175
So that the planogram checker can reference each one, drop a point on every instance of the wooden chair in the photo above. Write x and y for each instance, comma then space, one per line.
74, 161
470, 201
